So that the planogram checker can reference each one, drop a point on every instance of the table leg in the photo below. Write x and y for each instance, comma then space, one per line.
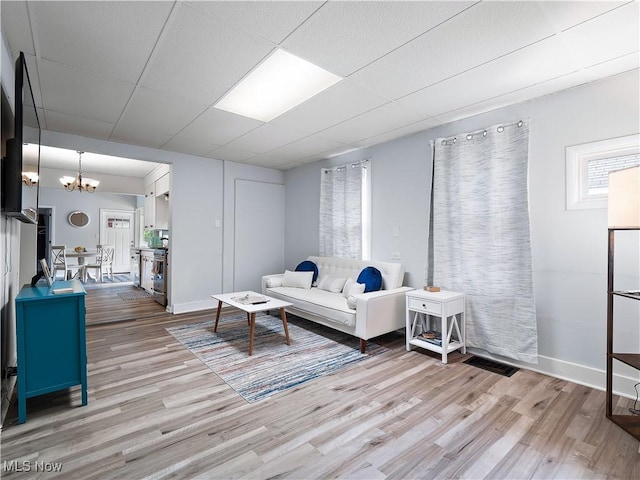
252, 327
445, 336
215, 327
283, 315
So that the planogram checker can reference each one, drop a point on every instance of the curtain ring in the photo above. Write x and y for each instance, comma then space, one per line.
455, 139
484, 134
444, 142
469, 137
520, 123
500, 129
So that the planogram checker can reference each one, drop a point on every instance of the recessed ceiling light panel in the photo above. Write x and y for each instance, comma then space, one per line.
278, 84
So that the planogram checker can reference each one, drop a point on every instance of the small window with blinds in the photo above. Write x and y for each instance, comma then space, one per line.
588, 166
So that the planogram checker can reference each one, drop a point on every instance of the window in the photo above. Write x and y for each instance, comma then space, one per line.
588, 168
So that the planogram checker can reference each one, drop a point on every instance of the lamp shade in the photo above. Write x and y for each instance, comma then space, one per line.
624, 198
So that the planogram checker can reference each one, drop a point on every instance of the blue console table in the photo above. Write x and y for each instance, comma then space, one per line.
52, 350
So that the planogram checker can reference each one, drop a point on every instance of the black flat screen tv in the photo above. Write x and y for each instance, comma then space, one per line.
19, 199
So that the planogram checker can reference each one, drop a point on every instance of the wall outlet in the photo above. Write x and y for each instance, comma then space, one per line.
395, 255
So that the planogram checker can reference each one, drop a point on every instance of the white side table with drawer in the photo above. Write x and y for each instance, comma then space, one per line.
449, 306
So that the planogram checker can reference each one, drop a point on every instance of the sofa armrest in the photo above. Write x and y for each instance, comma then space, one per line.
266, 278
380, 312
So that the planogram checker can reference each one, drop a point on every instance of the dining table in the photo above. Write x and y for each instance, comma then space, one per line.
81, 256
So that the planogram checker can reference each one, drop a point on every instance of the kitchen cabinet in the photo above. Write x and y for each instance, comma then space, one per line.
162, 185
134, 266
150, 206
146, 267
162, 212
156, 204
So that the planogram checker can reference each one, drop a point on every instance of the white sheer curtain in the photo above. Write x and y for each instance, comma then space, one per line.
480, 237
341, 211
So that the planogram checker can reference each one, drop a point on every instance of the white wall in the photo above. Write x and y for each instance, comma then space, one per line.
569, 247
195, 253
64, 203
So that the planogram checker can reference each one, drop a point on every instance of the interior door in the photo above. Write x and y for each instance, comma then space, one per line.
117, 229
258, 233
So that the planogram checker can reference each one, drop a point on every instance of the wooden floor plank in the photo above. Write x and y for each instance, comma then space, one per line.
155, 411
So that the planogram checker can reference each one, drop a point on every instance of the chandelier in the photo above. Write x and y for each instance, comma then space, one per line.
79, 183
30, 179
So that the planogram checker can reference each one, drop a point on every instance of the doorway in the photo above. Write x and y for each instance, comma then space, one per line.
43, 236
117, 229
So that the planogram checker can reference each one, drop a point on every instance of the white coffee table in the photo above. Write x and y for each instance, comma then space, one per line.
252, 309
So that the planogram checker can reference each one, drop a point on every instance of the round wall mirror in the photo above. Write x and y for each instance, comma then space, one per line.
79, 219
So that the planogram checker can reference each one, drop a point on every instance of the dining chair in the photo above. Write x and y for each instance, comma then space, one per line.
59, 261
103, 263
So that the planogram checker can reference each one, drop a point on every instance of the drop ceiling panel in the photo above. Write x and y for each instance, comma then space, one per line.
605, 37
200, 58
565, 14
550, 87
61, 122
191, 147
76, 92
304, 148
342, 101
273, 20
528, 66
231, 153
397, 133
370, 29
218, 127
159, 111
478, 35
387, 117
16, 27
74, 32
266, 137
139, 135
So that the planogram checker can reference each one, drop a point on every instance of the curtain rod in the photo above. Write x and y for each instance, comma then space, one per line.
483, 131
360, 163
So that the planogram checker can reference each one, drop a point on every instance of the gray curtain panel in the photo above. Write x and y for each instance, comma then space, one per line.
341, 211
480, 237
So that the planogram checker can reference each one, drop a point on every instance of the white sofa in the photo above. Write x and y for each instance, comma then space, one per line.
376, 313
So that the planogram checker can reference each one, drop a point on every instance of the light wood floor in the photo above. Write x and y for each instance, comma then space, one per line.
155, 411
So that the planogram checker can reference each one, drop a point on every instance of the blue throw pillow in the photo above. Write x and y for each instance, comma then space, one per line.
308, 266
372, 279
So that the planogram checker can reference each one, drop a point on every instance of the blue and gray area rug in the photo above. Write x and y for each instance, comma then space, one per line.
274, 366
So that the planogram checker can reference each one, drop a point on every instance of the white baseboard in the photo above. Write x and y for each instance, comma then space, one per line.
193, 306
623, 385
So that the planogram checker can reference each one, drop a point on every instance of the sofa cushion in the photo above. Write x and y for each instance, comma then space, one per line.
297, 279
331, 284
274, 282
372, 278
308, 266
332, 306
351, 287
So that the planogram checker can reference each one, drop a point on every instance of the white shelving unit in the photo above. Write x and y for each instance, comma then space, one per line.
422, 306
